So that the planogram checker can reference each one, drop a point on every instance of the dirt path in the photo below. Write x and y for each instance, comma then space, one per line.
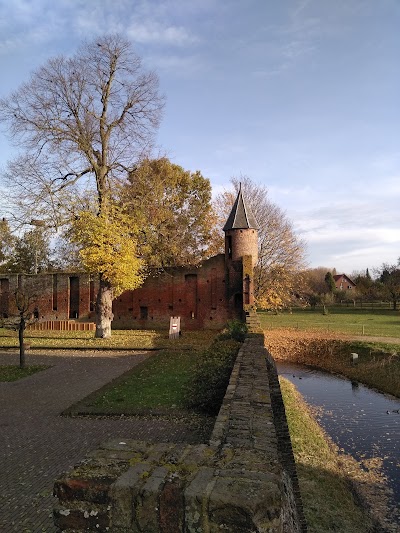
368, 338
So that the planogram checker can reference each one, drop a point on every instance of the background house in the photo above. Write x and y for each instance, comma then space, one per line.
344, 283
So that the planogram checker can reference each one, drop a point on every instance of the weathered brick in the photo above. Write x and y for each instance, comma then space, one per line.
82, 519
91, 490
123, 494
171, 509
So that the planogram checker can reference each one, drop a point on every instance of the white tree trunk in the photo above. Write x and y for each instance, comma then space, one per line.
104, 314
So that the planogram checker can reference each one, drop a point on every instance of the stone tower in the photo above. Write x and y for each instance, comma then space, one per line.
241, 255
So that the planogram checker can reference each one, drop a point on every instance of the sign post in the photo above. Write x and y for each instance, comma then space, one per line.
174, 327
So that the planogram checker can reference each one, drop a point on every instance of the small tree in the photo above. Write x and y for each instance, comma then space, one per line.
107, 245
327, 299
330, 283
24, 302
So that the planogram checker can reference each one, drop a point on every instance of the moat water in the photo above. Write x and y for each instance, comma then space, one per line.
362, 422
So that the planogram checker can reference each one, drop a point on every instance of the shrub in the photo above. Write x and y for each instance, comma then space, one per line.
234, 329
207, 385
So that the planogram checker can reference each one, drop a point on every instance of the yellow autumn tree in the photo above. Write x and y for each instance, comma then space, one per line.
276, 288
107, 247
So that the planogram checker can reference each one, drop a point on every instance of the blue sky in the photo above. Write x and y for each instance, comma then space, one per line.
303, 96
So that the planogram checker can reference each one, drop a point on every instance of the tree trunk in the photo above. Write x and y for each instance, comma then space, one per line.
21, 342
104, 314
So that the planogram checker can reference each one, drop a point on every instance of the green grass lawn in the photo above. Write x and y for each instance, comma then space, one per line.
120, 339
157, 383
369, 322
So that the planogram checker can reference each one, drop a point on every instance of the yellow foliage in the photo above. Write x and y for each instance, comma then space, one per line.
108, 247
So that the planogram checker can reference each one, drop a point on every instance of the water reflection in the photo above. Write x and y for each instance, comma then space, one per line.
362, 422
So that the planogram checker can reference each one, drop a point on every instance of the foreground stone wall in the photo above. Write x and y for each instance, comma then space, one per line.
243, 480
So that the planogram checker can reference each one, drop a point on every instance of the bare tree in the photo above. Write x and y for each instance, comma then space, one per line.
83, 122
281, 252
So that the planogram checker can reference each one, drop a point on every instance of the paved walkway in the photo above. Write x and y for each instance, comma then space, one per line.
37, 444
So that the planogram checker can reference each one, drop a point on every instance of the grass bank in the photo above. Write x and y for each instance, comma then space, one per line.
378, 363
332, 485
347, 320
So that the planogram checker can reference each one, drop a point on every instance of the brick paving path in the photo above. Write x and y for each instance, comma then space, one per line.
37, 444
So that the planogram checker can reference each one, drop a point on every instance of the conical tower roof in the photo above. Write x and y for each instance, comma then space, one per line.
241, 216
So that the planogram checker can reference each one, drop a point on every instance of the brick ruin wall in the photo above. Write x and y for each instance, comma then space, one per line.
59, 296
198, 296
244, 480
203, 297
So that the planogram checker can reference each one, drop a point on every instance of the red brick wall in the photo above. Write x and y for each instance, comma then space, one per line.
204, 297
197, 295
50, 294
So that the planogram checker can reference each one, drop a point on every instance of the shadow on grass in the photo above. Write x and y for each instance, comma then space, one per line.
9, 373
350, 502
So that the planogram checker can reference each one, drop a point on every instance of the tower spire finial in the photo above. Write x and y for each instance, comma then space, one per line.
241, 216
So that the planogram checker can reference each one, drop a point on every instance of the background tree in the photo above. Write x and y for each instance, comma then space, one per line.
367, 289
6, 244
65, 253
389, 282
281, 251
30, 253
83, 119
314, 285
314, 279
172, 207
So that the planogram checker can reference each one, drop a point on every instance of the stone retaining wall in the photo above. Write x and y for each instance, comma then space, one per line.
243, 481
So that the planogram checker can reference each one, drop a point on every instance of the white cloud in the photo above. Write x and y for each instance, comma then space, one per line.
181, 66
350, 226
154, 32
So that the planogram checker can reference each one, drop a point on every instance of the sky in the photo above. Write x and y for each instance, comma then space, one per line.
302, 96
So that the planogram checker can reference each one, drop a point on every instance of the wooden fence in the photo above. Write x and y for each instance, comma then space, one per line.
62, 325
